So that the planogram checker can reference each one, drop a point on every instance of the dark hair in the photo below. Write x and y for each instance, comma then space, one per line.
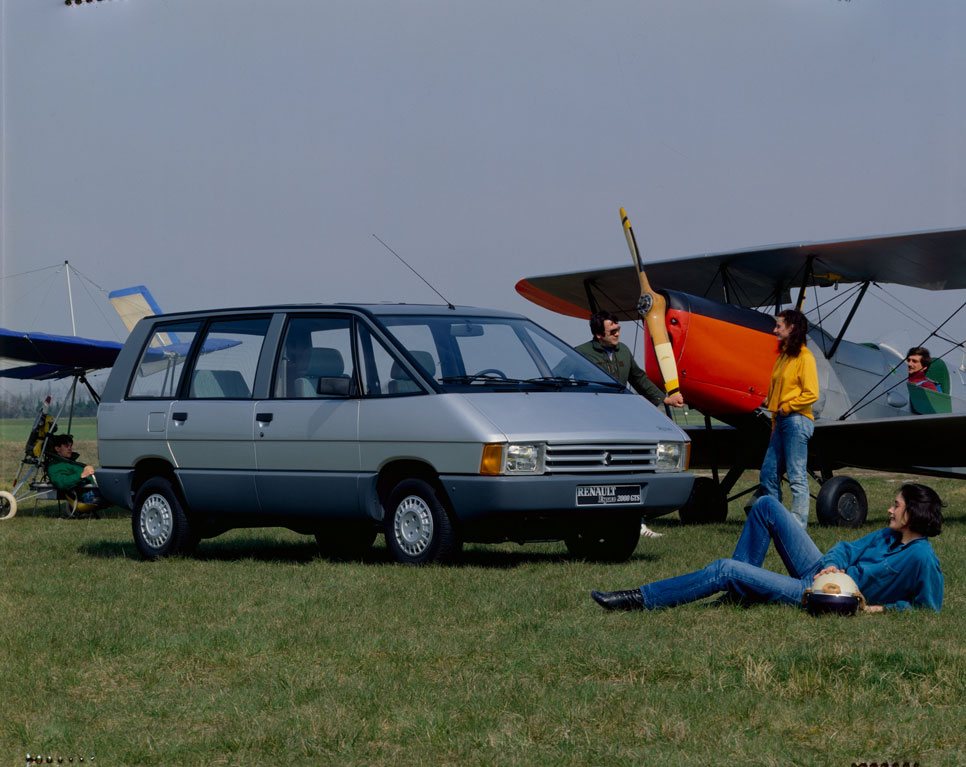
924, 507
799, 327
61, 439
920, 351
597, 320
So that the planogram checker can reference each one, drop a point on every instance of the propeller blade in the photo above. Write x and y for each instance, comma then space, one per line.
653, 309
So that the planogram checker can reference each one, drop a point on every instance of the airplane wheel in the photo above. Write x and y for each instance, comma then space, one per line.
841, 503
707, 503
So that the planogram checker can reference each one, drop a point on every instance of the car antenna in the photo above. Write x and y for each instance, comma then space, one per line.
415, 272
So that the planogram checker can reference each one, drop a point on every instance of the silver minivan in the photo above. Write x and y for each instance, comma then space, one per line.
434, 425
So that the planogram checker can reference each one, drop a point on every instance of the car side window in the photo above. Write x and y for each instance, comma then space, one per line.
162, 363
227, 359
316, 359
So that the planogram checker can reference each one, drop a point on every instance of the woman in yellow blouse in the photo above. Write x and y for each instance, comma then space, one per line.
794, 387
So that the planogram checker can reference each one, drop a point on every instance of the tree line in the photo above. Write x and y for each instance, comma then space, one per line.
27, 405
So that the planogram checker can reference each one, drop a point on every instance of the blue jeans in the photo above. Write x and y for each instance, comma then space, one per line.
742, 575
788, 453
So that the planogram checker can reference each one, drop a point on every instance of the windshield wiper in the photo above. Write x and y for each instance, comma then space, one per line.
557, 381
485, 378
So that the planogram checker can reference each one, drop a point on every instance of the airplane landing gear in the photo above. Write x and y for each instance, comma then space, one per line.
841, 503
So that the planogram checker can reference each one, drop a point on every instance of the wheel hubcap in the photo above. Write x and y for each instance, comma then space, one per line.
156, 521
413, 526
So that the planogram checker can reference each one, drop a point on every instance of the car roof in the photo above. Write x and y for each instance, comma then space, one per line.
374, 309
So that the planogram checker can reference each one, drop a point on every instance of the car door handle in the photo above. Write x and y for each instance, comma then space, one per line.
179, 417
264, 417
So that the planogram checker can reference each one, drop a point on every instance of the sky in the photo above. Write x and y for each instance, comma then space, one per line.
244, 152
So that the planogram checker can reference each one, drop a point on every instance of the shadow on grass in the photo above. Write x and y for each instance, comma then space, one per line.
282, 552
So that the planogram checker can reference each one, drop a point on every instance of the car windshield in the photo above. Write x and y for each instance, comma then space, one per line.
500, 354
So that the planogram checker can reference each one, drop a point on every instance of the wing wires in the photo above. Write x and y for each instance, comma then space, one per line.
934, 334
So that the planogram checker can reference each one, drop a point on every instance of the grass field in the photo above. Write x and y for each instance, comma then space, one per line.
256, 651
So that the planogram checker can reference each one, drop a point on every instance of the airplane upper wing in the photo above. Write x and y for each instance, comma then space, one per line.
41, 356
931, 260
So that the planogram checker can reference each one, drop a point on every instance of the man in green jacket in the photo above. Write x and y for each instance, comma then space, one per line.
67, 474
608, 353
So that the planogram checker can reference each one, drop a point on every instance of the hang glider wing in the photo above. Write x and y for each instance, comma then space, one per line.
41, 356
933, 260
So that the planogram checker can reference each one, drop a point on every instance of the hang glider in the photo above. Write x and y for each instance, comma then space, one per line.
42, 356
933, 260
723, 353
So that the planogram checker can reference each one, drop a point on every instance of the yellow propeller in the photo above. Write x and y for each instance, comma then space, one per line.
653, 309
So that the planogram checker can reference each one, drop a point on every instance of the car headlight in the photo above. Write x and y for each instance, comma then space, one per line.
672, 456
513, 458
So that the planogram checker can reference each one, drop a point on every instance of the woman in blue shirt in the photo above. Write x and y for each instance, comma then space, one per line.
895, 568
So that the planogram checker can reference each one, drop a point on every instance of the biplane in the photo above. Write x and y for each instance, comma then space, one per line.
46, 357
718, 313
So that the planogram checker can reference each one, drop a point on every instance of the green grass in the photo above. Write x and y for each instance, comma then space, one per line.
256, 651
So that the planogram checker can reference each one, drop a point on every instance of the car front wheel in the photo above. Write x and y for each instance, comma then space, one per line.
417, 527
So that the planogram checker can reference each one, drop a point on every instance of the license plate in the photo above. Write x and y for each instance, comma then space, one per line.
608, 495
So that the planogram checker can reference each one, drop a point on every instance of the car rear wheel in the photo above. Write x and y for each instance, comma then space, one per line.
159, 523
417, 526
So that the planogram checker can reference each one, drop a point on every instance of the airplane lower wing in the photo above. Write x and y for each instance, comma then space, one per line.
931, 445
919, 444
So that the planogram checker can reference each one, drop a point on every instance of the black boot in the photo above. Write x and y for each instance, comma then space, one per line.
630, 599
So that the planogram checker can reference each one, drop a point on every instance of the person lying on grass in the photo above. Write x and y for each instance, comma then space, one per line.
895, 568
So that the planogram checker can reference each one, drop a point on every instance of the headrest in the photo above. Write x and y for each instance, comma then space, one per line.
425, 361
325, 363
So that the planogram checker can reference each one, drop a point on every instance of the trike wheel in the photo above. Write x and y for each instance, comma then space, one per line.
159, 523
417, 527
8, 504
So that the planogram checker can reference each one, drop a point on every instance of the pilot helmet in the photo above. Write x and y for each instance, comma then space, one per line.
834, 593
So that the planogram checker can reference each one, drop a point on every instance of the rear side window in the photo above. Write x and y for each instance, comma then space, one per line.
162, 363
227, 359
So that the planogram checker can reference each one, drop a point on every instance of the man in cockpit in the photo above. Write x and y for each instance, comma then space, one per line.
918, 361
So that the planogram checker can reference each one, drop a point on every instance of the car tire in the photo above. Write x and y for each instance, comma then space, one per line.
8, 504
345, 540
841, 502
611, 541
706, 504
159, 522
418, 528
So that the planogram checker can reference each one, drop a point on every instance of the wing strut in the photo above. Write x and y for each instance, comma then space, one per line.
805, 280
848, 320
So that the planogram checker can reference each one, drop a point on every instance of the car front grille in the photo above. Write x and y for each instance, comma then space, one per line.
621, 458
